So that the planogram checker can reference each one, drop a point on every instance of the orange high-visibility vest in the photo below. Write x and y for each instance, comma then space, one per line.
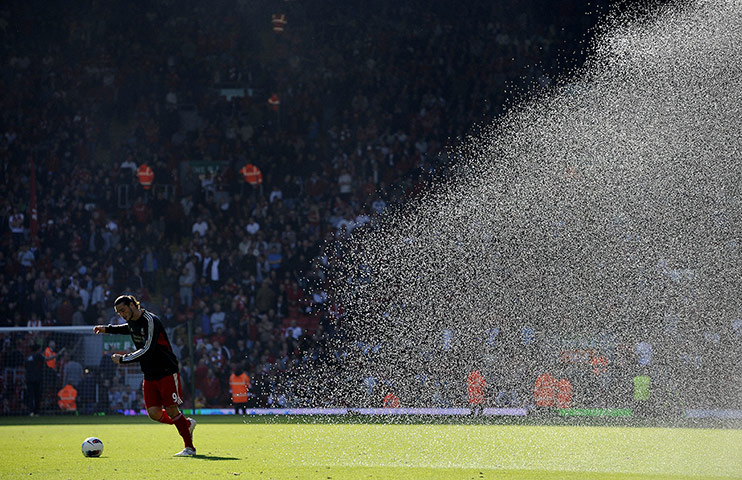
52, 363
545, 390
67, 398
146, 175
279, 22
391, 401
599, 364
475, 384
252, 174
239, 384
564, 393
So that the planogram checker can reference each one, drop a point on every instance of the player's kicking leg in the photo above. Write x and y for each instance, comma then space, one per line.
188, 451
170, 393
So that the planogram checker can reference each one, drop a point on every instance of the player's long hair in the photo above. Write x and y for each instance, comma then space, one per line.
127, 300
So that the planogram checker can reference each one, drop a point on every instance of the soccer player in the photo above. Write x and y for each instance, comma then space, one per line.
161, 384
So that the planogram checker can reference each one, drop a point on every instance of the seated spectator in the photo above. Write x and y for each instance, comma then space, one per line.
293, 330
116, 395
128, 167
200, 227
218, 357
212, 389
129, 398
219, 336
203, 290
265, 296
252, 226
199, 400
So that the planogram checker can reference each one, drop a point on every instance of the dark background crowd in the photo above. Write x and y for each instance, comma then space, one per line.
348, 111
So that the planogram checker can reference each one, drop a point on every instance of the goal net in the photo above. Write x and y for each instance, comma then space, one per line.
77, 375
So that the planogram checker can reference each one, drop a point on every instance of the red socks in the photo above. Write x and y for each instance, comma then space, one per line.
165, 418
181, 423
183, 426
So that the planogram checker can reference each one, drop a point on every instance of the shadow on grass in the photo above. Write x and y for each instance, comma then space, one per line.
213, 457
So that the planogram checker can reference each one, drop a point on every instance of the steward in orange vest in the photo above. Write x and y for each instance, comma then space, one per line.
67, 399
564, 393
146, 176
252, 174
545, 390
391, 401
475, 384
51, 356
599, 364
239, 383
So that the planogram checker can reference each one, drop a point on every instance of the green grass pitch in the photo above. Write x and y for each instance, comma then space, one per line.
233, 447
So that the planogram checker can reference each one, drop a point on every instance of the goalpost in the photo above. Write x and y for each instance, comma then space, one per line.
76, 356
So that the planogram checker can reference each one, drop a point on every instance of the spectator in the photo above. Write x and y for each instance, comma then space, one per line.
293, 330
252, 226
116, 395
313, 154
34, 377
218, 318
212, 389
200, 227
87, 394
212, 271
16, 222
219, 356
186, 281
179, 347
265, 297
128, 167
72, 371
345, 184
26, 257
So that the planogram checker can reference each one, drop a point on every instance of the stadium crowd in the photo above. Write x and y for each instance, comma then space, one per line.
347, 109
359, 114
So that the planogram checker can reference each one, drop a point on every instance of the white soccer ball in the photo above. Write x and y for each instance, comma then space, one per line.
92, 447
